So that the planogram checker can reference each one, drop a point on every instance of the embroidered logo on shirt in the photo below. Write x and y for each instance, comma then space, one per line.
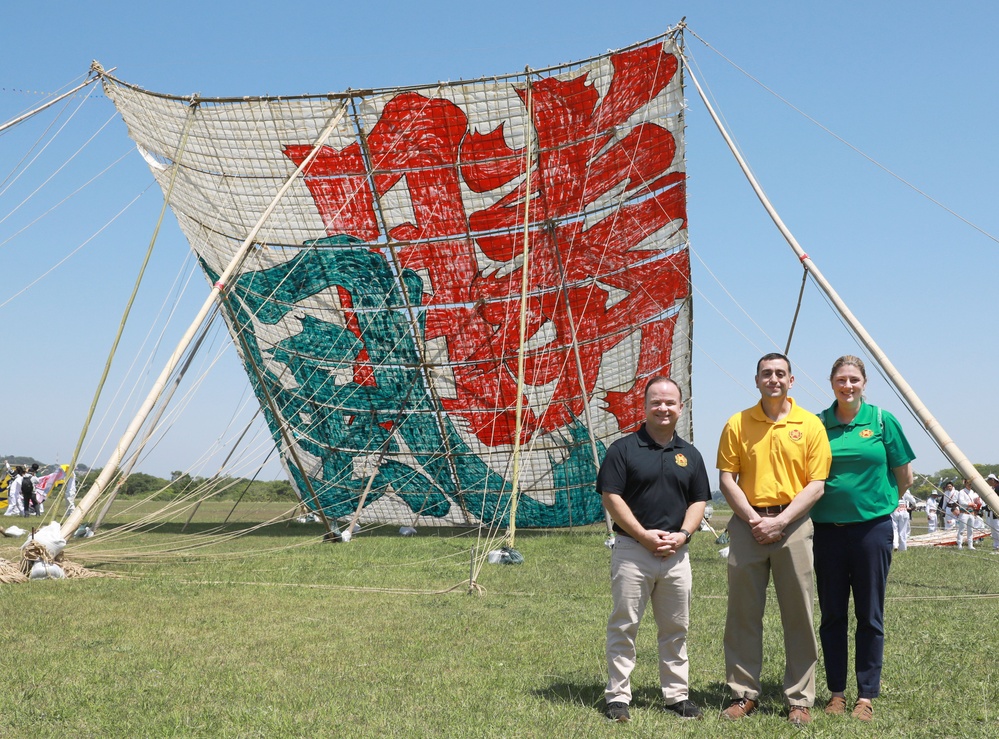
866, 434
795, 434
681, 461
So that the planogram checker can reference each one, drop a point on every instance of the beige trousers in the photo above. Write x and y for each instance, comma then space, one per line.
750, 566
638, 578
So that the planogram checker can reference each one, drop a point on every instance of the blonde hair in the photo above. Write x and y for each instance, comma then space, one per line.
849, 360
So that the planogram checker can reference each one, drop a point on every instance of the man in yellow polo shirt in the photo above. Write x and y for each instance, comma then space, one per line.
773, 460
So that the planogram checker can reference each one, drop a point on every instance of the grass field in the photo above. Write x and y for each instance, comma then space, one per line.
276, 635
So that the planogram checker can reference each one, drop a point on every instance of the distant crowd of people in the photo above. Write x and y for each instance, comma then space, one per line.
25, 497
964, 511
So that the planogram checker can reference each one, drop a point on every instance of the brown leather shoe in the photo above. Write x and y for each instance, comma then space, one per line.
799, 716
863, 711
739, 708
836, 706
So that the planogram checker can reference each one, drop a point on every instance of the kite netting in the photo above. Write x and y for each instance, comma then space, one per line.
379, 313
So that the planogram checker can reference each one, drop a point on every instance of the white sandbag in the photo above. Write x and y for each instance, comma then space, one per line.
50, 537
505, 556
14, 531
723, 552
407, 531
44, 571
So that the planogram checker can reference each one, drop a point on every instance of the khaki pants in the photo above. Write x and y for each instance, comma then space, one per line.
638, 577
750, 566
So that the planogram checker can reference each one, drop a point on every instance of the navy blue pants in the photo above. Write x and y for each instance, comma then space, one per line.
853, 557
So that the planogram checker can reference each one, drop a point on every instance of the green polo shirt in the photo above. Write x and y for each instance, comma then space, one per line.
861, 485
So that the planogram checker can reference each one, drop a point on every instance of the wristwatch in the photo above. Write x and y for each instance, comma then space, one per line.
687, 534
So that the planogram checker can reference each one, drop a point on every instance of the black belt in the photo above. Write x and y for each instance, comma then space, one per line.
769, 511
868, 522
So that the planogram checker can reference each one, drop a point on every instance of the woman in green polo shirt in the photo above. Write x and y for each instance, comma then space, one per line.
871, 469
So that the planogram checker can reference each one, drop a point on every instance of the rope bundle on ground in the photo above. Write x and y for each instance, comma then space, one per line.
34, 552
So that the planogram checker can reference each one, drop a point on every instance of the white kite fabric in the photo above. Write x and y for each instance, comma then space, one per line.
379, 313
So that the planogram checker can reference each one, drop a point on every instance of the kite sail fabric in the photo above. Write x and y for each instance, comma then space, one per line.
379, 312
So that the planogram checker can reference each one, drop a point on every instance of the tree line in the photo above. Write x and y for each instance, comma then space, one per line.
141, 485
923, 485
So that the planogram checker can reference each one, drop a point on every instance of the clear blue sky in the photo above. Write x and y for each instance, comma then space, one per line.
915, 89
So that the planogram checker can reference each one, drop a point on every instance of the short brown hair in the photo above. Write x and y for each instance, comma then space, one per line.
662, 378
771, 356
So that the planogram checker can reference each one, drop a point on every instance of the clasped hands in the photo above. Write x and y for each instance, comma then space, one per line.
663, 543
766, 530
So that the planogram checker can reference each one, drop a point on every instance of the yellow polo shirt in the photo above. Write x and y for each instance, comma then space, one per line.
774, 460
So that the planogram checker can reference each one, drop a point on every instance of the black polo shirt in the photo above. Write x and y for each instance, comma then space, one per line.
658, 483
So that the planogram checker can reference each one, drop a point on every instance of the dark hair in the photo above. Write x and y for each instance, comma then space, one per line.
662, 378
849, 360
770, 356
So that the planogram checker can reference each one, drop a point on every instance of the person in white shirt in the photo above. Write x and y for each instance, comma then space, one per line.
901, 524
949, 505
15, 505
931, 513
965, 515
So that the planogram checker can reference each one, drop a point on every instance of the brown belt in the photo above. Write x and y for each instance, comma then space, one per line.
769, 511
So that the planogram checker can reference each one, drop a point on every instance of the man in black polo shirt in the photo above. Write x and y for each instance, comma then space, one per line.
655, 487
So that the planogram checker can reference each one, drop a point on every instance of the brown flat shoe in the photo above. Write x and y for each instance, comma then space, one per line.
863, 711
799, 716
836, 706
739, 708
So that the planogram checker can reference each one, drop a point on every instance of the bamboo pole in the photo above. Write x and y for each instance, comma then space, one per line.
946, 444
524, 284
50, 103
73, 521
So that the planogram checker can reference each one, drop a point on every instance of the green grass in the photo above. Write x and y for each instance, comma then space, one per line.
229, 642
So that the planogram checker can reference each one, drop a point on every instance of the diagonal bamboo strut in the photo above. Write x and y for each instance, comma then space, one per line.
946, 444
73, 521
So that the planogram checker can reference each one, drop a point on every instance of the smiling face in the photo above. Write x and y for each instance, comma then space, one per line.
663, 406
774, 378
848, 384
